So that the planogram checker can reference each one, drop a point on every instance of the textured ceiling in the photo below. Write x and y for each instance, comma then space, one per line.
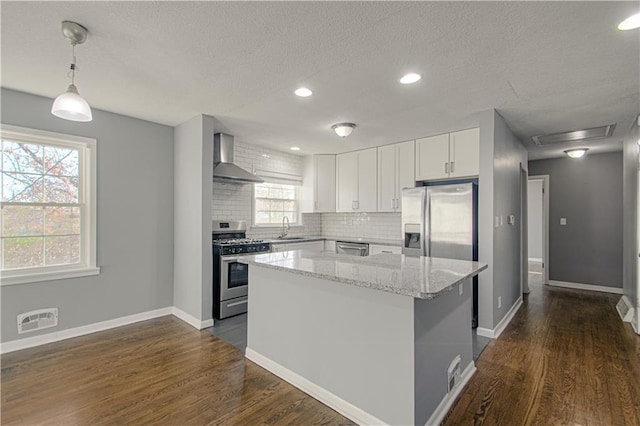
545, 66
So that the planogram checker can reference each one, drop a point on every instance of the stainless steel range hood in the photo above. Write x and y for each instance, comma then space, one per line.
223, 168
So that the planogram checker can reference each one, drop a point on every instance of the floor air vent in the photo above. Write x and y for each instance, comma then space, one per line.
37, 320
624, 310
453, 374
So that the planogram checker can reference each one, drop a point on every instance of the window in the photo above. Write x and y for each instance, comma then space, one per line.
47, 202
277, 197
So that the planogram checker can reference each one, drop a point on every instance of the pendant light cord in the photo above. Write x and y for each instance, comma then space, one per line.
72, 72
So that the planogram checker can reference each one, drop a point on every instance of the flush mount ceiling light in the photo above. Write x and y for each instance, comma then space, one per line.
343, 129
631, 23
70, 105
576, 153
303, 92
295, 148
410, 78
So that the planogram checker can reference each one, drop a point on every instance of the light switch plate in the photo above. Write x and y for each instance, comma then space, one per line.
563, 221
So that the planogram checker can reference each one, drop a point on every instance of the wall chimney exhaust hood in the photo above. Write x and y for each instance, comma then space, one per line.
223, 168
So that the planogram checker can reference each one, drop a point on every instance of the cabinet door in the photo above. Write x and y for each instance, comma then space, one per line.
346, 181
377, 249
309, 245
330, 245
387, 178
367, 200
465, 153
275, 248
405, 169
325, 183
432, 157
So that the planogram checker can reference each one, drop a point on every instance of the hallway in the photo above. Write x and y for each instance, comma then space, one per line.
566, 358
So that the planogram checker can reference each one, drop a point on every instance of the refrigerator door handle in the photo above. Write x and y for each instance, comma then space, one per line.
424, 225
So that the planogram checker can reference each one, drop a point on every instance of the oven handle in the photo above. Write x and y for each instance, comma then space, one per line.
229, 259
237, 303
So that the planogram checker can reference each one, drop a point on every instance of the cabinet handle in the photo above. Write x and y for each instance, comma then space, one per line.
393, 203
446, 167
357, 205
452, 166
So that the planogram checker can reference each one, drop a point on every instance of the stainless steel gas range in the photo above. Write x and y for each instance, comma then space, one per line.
230, 278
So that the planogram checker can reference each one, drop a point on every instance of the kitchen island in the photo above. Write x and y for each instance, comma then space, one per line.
384, 339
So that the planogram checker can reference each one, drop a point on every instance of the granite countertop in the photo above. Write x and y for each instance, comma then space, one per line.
378, 241
418, 277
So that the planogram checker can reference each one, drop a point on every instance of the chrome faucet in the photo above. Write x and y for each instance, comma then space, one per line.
284, 231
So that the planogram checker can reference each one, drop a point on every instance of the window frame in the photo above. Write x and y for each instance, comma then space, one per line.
282, 179
87, 174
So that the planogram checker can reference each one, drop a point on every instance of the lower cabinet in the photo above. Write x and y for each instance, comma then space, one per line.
377, 249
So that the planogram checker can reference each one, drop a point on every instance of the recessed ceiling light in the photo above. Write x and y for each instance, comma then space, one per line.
410, 78
303, 92
576, 153
631, 23
295, 148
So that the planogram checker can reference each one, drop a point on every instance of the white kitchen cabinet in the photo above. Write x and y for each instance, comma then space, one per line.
464, 153
377, 249
396, 170
330, 245
319, 184
451, 155
356, 181
305, 245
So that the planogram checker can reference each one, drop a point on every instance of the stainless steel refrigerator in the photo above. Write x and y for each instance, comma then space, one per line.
441, 221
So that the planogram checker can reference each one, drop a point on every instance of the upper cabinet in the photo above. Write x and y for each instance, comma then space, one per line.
356, 181
319, 184
396, 170
451, 155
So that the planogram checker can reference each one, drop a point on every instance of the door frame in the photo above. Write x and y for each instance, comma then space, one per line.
524, 225
545, 222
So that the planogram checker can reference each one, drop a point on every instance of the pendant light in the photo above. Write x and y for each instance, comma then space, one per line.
343, 129
70, 105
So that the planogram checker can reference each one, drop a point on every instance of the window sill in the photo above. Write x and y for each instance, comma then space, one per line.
11, 278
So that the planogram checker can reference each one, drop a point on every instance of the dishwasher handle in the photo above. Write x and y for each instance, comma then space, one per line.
362, 249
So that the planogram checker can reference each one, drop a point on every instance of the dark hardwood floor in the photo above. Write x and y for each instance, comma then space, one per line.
160, 372
565, 359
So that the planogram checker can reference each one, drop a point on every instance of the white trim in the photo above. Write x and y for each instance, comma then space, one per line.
7, 279
504, 322
546, 187
43, 339
447, 402
324, 396
190, 319
589, 287
535, 259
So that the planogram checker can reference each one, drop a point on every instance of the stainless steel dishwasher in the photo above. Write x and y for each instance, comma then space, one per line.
353, 249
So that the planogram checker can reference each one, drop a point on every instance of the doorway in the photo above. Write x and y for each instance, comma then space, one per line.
538, 230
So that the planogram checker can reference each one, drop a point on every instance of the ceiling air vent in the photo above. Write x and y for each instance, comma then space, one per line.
576, 135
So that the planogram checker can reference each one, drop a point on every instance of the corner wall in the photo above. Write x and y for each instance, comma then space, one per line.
630, 220
134, 221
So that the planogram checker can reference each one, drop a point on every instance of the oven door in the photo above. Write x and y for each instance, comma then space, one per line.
234, 278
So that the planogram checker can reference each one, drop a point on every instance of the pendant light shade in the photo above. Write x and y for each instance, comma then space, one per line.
71, 106
343, 129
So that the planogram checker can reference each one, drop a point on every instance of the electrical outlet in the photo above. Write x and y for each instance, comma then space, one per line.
499, 302
563, 221
460, 289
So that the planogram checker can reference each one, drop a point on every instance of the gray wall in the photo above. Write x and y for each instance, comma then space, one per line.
630, 168
588, 193
535, 212
135, 221
508, 156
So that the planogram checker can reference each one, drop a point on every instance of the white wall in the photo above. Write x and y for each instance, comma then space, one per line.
232, 201
134, 221
535, 218
193, 165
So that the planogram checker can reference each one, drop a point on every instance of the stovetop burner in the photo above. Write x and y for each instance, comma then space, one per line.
236, 241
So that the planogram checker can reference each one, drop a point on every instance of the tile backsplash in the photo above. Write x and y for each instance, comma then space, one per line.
385, 226
234, 201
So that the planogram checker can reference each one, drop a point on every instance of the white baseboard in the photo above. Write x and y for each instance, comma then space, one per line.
56, 336
329, 399
589, 287
535, 259
504, 322
447, 402
191, 320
